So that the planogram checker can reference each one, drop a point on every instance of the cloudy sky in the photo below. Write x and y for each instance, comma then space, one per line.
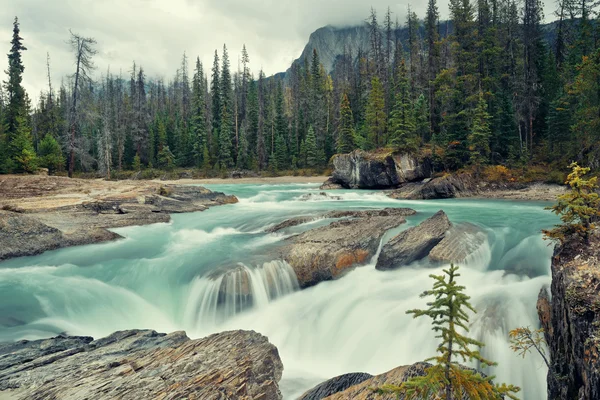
155, 33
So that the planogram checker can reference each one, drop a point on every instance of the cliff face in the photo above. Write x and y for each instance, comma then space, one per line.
571, 321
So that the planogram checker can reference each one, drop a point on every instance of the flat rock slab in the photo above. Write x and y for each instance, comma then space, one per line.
142, 365
415, 243
327, 252
47, 223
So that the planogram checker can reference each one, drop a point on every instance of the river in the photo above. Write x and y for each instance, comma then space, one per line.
162, 277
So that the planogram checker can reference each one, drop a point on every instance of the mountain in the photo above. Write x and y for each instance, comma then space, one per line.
332, 42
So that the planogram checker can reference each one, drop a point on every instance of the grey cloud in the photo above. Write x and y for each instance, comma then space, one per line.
155, 33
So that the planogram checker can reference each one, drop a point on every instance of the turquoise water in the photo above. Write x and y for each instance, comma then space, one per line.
166, 277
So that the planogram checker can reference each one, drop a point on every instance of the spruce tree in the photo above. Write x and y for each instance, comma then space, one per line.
447, 379
24, 158
310, 149
479, 139
215, 93
50, 154
345, 139
402, 122
198, 122
375, 115
15, 92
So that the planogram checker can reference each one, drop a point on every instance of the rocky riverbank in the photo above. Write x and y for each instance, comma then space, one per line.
39, 213
142, 364
571, 321
410, 177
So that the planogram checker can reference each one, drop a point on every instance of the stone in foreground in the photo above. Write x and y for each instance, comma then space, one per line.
142, 365
364, 390
415, 243
335, 385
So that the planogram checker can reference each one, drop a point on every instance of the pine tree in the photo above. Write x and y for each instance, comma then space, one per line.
15, 92
310, 149
24, 158
198, 121
375, 115
402, 121
579, 209
215, 93
447, 379
479, 139
345, 139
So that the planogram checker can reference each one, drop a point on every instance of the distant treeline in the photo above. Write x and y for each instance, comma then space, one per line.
486, 89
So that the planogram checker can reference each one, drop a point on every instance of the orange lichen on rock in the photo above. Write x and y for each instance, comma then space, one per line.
347, 260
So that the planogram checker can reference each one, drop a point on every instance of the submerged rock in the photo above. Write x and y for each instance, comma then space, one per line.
458, 244
327, 252
289, 223
140, 365
571, 321
335, 385
318, 196
362, 170
414, 243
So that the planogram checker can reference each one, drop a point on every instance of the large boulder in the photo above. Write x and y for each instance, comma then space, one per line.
445, 187
570, 317
327, 252
414, 243
362, 170
458, 244
142, 365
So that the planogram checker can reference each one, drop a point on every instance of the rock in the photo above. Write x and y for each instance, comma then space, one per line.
460, 242
24, 235
327, 252
362, 170
573, 328
335, 385
386, 212
446, 187
395, 377
329, 184
321, 196
414, 243
288, 223
141, 365
87, 222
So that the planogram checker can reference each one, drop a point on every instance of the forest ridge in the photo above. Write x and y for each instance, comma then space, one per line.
485, 88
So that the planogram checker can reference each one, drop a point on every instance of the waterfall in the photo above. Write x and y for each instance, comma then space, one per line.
219, 296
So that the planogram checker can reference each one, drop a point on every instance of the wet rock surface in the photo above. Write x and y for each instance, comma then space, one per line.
571, 320
458, 244
414, 243
327, 252
142, 364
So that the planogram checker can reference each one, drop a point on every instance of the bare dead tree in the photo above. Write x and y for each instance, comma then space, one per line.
83, 50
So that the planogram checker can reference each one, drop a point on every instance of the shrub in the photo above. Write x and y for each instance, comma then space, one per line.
497, 173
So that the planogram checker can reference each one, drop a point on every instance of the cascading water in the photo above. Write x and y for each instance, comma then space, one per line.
215, 299
170, 277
